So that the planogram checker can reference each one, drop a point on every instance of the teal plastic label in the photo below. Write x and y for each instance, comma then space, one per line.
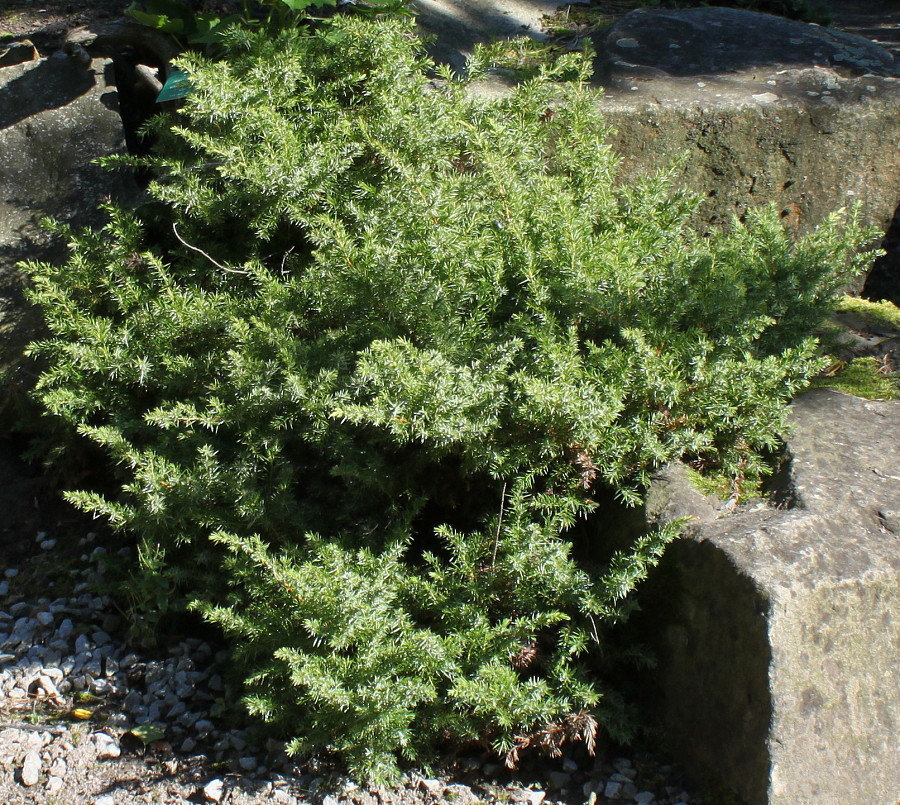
177, 85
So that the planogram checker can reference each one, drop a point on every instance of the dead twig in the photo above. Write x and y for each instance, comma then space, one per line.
211, 260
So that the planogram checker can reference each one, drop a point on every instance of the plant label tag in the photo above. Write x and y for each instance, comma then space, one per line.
177, 85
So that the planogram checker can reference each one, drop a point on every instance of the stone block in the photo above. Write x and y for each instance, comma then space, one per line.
767, 110
57, 116
776, 627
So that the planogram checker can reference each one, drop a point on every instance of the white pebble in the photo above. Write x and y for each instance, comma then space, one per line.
31, 769
204, 726
107, 747
644, 796
214, 790
101, 638
105, 799
612, 790
47, 685
11, 573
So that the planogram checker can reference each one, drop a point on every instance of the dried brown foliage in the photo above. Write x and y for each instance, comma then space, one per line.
550, 740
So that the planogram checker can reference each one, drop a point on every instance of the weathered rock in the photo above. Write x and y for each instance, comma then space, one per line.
121, 36
769, 110
17, 52
56, 117
711, 41
776, 627
672, 496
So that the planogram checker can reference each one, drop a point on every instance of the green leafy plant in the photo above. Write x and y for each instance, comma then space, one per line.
374, 355
178, 18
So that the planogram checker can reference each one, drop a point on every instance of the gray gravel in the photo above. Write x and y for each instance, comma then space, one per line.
59, 654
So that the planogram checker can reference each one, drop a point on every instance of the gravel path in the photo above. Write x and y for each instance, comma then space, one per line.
86, 717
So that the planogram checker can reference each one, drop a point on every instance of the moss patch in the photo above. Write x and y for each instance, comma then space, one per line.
875, 314
580, 20
862, 377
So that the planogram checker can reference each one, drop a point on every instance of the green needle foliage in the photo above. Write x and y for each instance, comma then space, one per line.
369, 360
